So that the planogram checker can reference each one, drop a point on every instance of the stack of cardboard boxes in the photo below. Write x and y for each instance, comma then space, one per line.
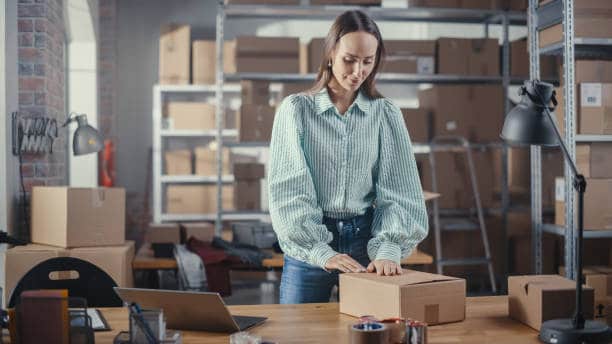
164, 236
256, 115
594, 113
84, 223
512, 5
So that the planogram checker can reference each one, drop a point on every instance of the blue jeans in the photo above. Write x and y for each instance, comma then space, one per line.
305, 283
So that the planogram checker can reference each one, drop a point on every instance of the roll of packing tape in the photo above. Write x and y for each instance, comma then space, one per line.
368, 333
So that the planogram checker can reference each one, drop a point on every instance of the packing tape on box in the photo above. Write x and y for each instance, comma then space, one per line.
368, 333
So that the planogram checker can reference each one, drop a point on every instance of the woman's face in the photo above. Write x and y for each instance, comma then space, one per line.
353, 59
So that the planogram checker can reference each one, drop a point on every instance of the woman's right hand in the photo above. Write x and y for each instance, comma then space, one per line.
344, 263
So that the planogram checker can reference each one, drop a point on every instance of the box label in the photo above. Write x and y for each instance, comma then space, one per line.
590, 95
559, 190
451, 125
425, 65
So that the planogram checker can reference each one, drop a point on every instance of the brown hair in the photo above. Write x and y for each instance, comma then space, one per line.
347, 22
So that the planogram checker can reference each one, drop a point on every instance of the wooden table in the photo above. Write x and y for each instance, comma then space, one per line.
486, 322
144, 260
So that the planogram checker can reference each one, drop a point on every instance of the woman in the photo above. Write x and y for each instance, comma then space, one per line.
335, 152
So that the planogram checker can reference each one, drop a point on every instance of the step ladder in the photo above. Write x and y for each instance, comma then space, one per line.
458, 145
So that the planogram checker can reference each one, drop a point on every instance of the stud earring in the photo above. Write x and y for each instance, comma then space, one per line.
329, 64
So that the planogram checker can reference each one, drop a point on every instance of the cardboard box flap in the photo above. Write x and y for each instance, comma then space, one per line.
539, 283
409, 277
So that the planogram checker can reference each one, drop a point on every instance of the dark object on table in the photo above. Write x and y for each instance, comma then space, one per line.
530, 122
92, 284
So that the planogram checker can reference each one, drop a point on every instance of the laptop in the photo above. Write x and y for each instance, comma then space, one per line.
190, 310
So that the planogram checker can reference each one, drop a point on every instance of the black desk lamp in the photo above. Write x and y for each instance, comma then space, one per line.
530, 123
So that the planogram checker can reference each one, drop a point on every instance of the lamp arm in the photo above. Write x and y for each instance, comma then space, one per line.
568, 158
71, 118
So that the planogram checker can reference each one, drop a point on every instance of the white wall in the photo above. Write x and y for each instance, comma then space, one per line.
82, 82
8, 103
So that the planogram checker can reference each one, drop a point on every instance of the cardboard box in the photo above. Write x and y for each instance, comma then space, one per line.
114, 260
247, 195
174, 54
418, 122
197, 199
255, 123
519, 61
249, 171
466, 56
316, 51
178, 162
203, 231
594, 159
591, 20
434, 299
347, 2
600, 279
161, 233
595, 108
262, 2
204, 61
473, 112
77, 217
593, 71
294, 88
206, 160
267, 54
190, 115
410, 56
534, 299
597, 204
255, 92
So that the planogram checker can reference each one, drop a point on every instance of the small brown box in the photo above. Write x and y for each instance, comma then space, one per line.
174, 54
162, 233
410, 56
191, 116
316, 49
78, 217
197, 199
249, 171
206, 160
203, 231
534, 299
466, 56
247, 195
594, 71
595, 108
255, 123
594, 159
255, 92
178, 162
267, 54
434, 299
418, 123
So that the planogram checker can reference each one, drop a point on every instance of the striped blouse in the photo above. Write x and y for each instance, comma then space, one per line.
323, 163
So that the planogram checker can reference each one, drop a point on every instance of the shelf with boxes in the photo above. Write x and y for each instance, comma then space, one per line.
416, 12
582, 116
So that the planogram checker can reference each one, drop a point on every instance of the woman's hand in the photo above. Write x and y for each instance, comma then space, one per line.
344, 263
385, 267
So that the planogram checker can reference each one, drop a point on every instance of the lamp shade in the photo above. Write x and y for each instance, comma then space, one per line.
86, 138
527, 123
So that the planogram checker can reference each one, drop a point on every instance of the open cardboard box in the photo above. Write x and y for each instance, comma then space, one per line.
434, 299
533, 299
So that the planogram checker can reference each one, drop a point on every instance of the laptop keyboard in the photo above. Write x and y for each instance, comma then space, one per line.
245, 322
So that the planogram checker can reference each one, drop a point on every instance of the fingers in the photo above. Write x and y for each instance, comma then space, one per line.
371, 267
385, 267
351, 264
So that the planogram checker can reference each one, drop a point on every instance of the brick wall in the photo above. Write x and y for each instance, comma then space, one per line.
41, 40
107, 53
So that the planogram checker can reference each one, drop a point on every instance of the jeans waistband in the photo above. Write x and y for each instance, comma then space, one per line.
355, 221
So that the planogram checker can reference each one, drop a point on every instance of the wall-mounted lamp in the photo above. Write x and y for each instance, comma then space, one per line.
86, 138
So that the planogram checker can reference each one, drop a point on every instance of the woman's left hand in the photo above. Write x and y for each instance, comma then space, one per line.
385, 267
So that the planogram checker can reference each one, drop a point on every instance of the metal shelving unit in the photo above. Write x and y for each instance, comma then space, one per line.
552, 13
431, 15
